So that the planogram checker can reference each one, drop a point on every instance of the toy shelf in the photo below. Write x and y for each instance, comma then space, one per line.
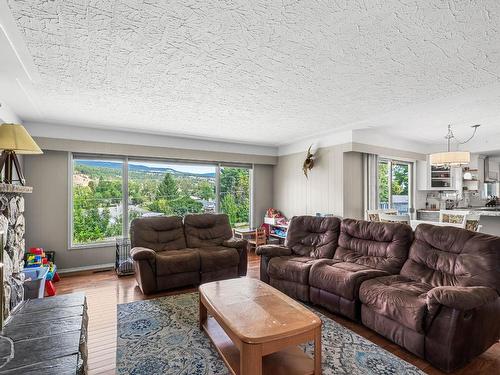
276, 228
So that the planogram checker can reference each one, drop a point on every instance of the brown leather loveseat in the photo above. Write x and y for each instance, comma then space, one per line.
434, 292
169, 252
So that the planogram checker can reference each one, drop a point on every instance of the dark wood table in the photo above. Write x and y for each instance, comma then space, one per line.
49, 336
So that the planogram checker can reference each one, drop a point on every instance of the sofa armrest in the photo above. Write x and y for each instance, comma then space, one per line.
460, 298
142, 253
273, 250
241, 246
235, 243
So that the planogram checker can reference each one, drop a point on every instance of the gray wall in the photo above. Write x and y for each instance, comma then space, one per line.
262, 192
139, 151
353, 185
47, 209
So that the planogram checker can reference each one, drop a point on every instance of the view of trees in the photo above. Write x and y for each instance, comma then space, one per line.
170, 200
98, 199
96, 191
399, 186
235, 195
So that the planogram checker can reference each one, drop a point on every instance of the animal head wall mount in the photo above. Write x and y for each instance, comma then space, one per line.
309, 162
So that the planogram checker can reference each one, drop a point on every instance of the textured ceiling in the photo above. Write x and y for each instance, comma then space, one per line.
267, 72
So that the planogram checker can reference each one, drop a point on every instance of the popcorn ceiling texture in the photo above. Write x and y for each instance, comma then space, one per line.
259, 71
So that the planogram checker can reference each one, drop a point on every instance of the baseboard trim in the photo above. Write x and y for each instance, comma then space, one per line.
95, 267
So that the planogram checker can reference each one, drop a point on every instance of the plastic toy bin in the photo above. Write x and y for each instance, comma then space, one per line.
34, 283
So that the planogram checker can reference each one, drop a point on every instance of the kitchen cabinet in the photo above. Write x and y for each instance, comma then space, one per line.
432, 177
422, 172
440, 177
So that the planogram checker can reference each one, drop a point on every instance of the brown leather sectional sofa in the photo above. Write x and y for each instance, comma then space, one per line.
434, 292
169, 252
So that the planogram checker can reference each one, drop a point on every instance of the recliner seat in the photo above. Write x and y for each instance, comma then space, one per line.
287, 267
444, 305
366, 250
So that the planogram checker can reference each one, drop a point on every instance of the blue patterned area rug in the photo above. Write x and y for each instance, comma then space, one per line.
161, 336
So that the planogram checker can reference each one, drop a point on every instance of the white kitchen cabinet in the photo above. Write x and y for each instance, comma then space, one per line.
431, 177
422, 175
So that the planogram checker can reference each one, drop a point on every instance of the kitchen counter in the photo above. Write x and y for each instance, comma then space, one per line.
485, 213
482, 211
489, 217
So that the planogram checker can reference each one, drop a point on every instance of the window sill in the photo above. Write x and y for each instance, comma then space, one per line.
92, 245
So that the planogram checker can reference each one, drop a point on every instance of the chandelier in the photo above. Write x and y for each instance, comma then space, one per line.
453, 158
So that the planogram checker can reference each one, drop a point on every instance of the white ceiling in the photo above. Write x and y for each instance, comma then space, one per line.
256, 71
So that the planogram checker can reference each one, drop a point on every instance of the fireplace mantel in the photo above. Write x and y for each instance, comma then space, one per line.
17, 189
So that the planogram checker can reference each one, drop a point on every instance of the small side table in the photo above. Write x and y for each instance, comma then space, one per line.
244, 233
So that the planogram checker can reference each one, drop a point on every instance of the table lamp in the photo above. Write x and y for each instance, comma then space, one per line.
14, 139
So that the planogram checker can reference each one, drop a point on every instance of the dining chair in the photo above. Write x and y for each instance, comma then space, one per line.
374, 215
391, 218
453, 217
260, 238
472, 222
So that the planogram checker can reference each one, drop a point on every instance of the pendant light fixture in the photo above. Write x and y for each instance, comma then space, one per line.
453, 158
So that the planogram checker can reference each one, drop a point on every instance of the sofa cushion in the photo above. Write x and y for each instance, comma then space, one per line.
382, 246
397, 298
311, 236
448, 256
290, 268
207, 230
177, 261
342, 279
217, 257
158, 233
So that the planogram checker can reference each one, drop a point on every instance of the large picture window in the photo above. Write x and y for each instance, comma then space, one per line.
107, 194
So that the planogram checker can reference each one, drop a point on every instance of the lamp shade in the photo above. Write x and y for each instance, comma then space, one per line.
453, 158
14, 137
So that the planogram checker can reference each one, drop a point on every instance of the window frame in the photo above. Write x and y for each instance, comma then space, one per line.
125, 159
250, 168
411, 181
71, 159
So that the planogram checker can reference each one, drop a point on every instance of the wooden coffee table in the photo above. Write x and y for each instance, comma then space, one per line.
256, 328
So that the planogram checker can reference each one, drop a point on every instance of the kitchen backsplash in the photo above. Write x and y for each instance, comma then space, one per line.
464, 199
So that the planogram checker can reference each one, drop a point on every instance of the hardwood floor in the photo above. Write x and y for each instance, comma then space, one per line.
105, 290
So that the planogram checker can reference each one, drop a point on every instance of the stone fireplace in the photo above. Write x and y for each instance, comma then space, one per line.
12, 225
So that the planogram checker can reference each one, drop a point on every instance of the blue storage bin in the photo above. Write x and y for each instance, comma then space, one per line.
34, 283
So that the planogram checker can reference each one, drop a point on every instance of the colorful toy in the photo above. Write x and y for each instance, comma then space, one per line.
33, 260
50, 289
38, 258
273, 212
